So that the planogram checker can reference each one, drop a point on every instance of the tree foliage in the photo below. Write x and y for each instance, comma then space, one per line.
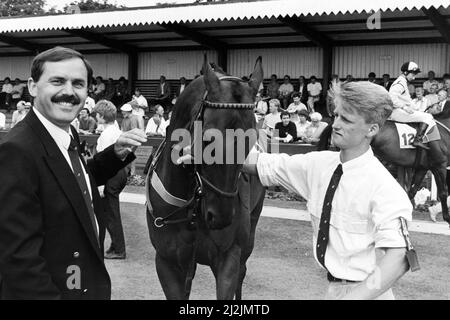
9, 8
93, 5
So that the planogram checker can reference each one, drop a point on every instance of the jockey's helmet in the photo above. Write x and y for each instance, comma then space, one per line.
410, 67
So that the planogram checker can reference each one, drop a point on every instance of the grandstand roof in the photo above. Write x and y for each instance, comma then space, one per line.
217, 25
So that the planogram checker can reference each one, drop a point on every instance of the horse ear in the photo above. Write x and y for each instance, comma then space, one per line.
257, 75
212, 82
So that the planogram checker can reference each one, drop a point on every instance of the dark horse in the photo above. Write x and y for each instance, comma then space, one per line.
386, 146
205, 213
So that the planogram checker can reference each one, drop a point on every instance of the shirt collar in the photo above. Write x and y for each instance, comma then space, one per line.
358, 162
61, 137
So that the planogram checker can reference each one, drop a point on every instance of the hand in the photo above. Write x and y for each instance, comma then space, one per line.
408, 110
128, 142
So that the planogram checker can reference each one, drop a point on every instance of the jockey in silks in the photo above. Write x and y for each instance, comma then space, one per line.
403, 111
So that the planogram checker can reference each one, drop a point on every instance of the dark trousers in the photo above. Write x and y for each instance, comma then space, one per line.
113, 188
5, 101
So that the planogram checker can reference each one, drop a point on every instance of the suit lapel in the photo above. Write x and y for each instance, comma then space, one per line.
64, 176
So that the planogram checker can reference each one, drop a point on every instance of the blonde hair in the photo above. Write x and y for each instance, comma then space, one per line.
369, 100
106, 109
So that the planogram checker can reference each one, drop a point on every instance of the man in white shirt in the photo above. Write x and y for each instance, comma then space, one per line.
106, 114
432, 96
272, 118
296, 106
157, 125
420, 103
314, 90
357, 230
140, 106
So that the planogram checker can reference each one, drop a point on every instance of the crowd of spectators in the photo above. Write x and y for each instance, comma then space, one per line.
280, 108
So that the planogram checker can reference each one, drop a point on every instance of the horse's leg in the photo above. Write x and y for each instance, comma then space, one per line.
440, 175
416, 180
173, 279
242, 273
227, 273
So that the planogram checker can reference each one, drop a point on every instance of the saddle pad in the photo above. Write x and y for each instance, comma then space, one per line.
406, 135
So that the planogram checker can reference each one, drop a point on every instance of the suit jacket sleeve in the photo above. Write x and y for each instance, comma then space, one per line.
23, 270
105, 165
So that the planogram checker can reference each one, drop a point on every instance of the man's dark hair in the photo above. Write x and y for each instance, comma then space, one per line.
87, 110
372, 75
446, 76
284, 113
287, 77
386, 75
7, 78
57, 54
273, 76
312, 77
296, 95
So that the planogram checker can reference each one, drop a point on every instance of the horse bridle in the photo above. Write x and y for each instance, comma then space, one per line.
200, 180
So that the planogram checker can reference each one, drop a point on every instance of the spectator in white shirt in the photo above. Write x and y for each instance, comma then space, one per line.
260, 107
420, 103
22, 110
357, 234
140, 107
285, 91
2, 121
296, 105
272, 118
106, 115
314, 90
301, 122
431, 80
157, 125
315, 129
432, 96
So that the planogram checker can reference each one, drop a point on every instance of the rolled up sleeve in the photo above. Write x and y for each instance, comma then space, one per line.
389, 205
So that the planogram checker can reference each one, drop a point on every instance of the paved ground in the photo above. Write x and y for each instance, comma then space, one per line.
281, 266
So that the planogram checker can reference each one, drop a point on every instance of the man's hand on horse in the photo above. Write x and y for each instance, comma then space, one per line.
186, 158
128, 142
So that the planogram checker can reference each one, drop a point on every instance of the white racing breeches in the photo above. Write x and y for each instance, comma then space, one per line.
400, 115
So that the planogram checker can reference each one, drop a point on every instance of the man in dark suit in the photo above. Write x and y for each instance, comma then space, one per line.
163, 93
52, 224
386, 82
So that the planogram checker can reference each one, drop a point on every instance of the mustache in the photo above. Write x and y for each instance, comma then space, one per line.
66, 98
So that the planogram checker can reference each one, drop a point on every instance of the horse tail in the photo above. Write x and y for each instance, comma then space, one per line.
325, 137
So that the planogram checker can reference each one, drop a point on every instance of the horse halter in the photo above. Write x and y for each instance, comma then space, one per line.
217, 105
200, 181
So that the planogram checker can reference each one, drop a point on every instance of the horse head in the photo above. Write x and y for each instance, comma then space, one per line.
229, 132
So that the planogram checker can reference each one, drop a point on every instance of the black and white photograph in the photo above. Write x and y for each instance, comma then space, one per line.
249, 150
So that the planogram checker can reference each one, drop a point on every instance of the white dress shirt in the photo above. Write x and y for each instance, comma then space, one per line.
153, 128
420, 105
108, 137
365, 208
314, 89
